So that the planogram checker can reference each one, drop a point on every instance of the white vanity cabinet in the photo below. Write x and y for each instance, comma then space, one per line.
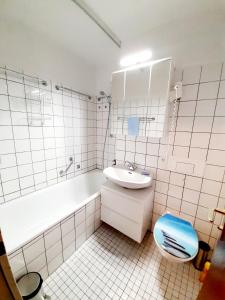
129, 211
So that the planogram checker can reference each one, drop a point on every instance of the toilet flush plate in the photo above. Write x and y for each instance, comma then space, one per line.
186, 166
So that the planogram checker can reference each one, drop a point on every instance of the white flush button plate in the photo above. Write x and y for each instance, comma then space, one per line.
186, 166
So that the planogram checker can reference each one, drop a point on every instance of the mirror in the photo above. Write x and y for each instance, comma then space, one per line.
140, 99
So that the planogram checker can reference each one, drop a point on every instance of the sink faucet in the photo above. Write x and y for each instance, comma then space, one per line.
131, 166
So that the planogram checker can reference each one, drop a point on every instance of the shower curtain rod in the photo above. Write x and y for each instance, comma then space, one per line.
98, 21
63, 88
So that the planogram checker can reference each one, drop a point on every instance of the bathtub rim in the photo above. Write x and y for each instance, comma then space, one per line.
28, 240
16, 246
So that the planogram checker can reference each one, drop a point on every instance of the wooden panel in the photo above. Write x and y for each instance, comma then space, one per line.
4, 289
8, 287
214, 284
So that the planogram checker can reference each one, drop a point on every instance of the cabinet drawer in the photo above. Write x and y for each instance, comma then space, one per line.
124, 225
124, 206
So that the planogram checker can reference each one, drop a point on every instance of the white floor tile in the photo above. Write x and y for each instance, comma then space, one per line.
111, 266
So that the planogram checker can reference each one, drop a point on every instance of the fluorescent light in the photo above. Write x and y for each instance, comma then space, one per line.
136, 58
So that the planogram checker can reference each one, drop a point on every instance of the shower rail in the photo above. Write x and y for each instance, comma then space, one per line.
63, 88
142, 119
26, 77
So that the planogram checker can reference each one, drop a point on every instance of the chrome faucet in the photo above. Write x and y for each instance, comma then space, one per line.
129, 165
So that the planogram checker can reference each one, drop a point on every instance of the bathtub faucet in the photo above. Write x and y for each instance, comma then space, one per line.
63, 172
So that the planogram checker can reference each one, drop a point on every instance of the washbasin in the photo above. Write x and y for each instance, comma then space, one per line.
127, 178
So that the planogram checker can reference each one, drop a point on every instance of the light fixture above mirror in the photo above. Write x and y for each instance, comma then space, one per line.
136, 58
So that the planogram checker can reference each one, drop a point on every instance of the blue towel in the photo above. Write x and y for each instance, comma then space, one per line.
133, 126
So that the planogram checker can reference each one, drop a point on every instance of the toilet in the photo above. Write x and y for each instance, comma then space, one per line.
176, 238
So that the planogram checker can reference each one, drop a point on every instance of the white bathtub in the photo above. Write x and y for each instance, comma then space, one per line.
25, 218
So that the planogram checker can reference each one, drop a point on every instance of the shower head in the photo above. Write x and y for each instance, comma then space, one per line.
102, 93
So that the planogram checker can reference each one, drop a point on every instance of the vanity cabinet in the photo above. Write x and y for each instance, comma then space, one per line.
128, 211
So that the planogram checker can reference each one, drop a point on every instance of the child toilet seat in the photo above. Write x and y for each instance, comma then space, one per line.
176, 238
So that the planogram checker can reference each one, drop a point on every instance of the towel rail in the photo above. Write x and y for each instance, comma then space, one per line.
29, 78
142, 119
63, 88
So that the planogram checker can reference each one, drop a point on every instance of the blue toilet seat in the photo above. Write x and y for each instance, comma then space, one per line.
176, 237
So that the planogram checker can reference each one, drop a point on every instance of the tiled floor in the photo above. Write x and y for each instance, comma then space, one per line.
111, 266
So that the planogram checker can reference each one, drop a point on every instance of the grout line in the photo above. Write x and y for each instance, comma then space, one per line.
13, 136
211, 132
192, 129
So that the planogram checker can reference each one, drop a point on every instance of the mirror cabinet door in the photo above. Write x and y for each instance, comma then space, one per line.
140, 98
118, 83
158, 99
137, 85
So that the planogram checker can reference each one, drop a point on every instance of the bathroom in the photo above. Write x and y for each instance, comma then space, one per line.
112, 149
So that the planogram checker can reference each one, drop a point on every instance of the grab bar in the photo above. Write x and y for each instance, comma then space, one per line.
63, 172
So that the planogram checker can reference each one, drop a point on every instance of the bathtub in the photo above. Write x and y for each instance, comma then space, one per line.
25, 218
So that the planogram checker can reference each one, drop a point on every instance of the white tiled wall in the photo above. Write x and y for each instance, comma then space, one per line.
48, 251
40, 128
199, 134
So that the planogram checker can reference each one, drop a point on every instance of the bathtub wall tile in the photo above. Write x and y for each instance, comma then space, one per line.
80, 216
90, 208
54, 251
55, 264
17, 263
68, 251
37, 264
67, 225
80, 229
97, 218
44, 272
80, 240
68, 240
90, 230
52, 236
45, 253
35, 146
98, 203
34, 249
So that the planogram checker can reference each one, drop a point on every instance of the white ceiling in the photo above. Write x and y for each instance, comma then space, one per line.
132, 18
64, 22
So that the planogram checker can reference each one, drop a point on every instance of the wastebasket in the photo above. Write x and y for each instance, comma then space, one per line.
202, 255
30, 287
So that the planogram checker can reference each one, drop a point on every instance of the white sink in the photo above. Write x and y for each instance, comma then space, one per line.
126, 178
